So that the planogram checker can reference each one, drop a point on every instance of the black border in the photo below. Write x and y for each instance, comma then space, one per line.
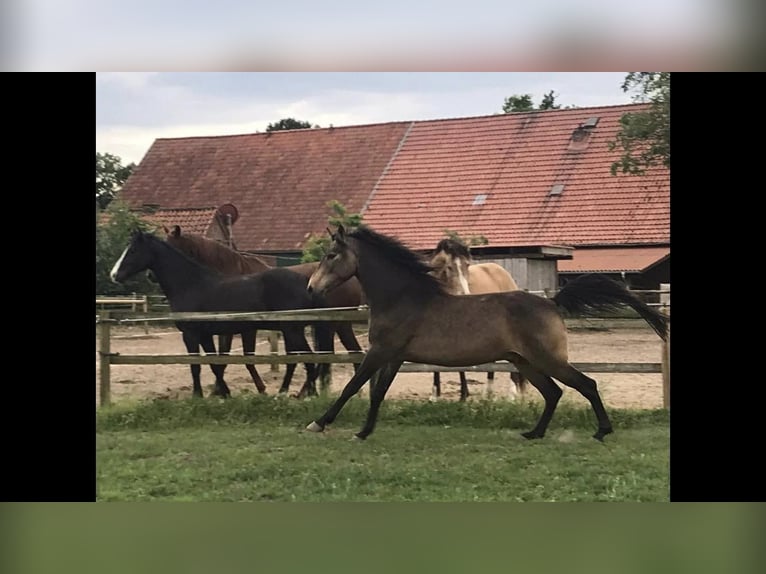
49, 421
715, 412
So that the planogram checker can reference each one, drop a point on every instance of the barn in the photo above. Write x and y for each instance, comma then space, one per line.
537, 185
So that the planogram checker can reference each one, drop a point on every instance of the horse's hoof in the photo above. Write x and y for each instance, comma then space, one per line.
314, 427
532, 435
601, 433
358, 437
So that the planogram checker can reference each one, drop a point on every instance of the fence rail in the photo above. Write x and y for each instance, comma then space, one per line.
353, 314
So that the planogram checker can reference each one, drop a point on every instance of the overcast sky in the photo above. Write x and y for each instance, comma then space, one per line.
134, 109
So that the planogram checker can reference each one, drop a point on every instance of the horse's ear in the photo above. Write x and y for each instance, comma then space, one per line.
341, 235
176, 231
166, 230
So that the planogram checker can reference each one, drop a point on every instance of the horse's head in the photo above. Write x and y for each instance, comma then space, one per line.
184, 243
450, 262
138, 255
339, 264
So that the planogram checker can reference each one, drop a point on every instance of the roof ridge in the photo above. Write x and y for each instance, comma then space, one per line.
432, 120
385, 169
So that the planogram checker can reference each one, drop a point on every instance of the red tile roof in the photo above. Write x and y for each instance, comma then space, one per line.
280, 182
492, 176
489, 175
613, 260
192, 221
199, 221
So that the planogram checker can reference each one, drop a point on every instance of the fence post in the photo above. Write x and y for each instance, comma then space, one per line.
104, 351
146, 312
274, 343
665, 308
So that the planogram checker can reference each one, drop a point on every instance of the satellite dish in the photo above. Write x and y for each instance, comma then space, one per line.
228, 210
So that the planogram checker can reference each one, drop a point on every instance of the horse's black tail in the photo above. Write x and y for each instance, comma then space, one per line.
595, 292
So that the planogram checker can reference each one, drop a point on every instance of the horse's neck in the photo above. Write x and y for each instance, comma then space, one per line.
177, 273
383, 283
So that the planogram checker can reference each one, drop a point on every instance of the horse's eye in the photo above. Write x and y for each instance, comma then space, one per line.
331, 256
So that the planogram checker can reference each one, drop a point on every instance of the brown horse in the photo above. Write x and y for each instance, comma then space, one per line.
230, 262
453, 266
412, 318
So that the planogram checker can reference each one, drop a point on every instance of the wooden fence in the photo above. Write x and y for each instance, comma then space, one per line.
356, 315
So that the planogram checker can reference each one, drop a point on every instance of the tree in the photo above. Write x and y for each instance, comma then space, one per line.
644, 137
523, 103
110, 177
288, 124
113, 228
316, 245
470, 241
549, 102
518, 103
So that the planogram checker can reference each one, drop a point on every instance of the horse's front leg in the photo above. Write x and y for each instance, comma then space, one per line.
191, 342
373, 360
221, 388
385, 378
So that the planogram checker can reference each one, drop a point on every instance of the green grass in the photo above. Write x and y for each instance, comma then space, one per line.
255, 448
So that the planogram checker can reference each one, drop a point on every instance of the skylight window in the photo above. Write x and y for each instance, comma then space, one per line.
479, 199
591, 122
557, 189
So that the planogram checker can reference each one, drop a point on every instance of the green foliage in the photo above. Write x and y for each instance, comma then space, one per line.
644, 137
113, 231
110, 177
523, 103
316, 245
471, 240
518, 103
549, 102
288, 124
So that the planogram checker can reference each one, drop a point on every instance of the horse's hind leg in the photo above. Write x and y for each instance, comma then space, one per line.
192, 347
385, 378
348, 339
248, 348
295, 340
221, 388
518, 382
551, 393
490, 385
463, 386
586, 387
436, 389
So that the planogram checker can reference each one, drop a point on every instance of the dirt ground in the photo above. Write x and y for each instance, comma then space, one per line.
137, 382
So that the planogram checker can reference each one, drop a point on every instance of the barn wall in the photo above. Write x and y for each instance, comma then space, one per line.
529, 274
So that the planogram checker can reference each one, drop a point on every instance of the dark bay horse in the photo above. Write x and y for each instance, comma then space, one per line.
412, 318
453, 266
190, 287
230, 262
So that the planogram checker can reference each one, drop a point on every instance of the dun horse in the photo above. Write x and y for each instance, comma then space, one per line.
230, 262
412, 318
190, 286
452, 265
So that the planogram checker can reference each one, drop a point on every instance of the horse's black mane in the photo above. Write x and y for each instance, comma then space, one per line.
453, 247
395, 251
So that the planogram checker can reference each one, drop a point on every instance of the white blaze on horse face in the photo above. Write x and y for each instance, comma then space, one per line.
116, 268
462, 276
